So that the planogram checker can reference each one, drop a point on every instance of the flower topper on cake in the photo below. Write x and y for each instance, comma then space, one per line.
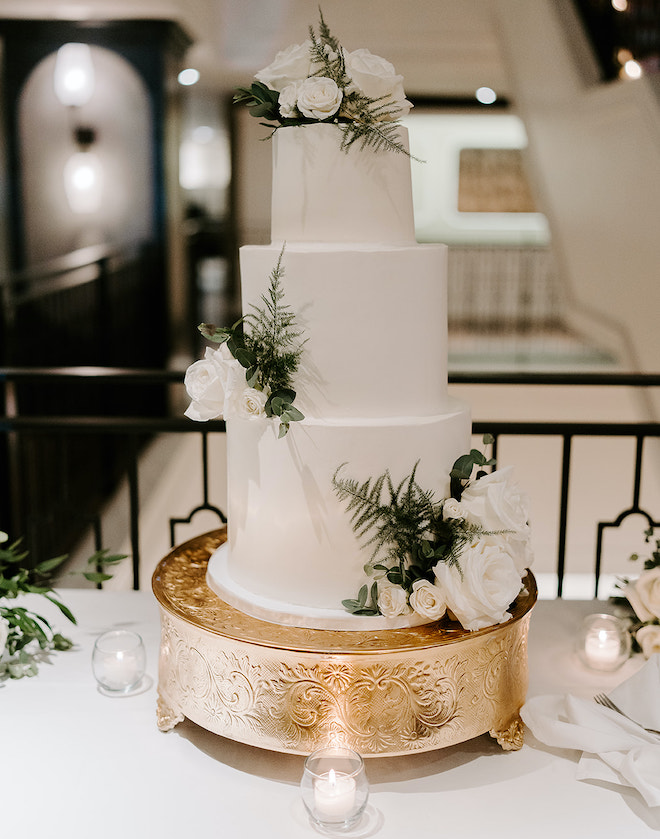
319, 81
249, 374
465, 554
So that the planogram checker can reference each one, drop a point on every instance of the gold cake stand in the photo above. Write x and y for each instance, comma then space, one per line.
387, 692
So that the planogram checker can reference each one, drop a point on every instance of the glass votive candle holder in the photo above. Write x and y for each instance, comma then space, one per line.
334, 787
118, 661
603, 642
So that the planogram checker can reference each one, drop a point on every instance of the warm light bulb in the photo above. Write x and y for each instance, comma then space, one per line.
619, 5
74, 75
633, 69
83, 182
188, 76
486, 95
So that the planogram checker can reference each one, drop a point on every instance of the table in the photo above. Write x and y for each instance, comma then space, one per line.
75, 763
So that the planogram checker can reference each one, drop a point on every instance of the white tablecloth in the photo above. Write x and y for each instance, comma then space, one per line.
75, 763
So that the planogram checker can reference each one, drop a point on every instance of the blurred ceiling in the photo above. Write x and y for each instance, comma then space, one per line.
444, 48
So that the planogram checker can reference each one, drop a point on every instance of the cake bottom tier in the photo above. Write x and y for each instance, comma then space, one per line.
292, 555
288, 689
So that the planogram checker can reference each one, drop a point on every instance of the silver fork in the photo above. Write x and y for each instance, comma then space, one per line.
606, 702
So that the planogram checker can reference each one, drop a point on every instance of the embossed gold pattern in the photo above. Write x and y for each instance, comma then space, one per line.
290, 689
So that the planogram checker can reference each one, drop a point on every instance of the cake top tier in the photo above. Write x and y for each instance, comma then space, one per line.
322, 193
342, 164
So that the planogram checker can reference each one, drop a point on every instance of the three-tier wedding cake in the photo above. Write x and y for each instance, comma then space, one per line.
341, 435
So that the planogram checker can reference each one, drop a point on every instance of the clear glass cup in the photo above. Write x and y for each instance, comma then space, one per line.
118, 661
334, 787
603, 642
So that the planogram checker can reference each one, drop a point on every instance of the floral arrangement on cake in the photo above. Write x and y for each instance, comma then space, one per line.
642, 594
24, 633
249, 375
319, 81
464, 555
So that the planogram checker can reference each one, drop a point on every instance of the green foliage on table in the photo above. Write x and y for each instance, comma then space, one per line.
25, 629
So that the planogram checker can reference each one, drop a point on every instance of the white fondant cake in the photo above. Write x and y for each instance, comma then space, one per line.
372, 381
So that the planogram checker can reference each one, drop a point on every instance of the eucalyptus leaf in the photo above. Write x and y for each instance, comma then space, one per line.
252, 375
50, 564
63, 609
96, 576
245, 357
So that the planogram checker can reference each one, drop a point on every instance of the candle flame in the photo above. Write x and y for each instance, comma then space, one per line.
332, 778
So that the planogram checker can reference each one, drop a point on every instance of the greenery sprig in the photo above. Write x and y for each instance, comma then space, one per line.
269, 349
405, 526
362, 119
25, 626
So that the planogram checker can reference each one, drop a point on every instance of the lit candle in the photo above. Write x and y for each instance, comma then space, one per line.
120, 670
602, 647
118, 660
334, 796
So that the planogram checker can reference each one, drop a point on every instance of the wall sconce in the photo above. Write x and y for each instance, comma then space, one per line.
83, 175
74, 75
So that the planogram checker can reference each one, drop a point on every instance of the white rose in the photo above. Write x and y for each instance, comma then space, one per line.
452, 509
648, 638
205, 382
235, 387
252, 403
4, 632
288, 100
488, 585
319, 98
644, 594
376, 78
496, 502
392, 600
290, 65
427, 600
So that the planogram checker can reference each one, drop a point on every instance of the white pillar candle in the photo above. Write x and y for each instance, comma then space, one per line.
120, 670
334, 796
602, 647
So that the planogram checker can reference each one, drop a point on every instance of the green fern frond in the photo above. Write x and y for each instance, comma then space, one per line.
273, 337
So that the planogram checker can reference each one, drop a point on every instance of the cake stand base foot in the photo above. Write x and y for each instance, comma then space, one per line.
510, 738
166, 716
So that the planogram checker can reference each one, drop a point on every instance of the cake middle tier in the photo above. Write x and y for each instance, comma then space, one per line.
374, 321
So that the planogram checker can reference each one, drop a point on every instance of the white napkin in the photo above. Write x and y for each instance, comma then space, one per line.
639, 696
614, 749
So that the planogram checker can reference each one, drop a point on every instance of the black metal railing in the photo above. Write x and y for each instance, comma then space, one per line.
16, 428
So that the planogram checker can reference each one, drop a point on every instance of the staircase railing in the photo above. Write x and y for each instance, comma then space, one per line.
16, 428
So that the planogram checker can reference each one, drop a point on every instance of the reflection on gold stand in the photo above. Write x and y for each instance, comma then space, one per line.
386, 692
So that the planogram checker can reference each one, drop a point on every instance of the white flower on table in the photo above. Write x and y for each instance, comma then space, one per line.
376, 78
643, 594
648, 638
428, 600
481, 591
496, 503
290, 65
319, 98
392, 600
